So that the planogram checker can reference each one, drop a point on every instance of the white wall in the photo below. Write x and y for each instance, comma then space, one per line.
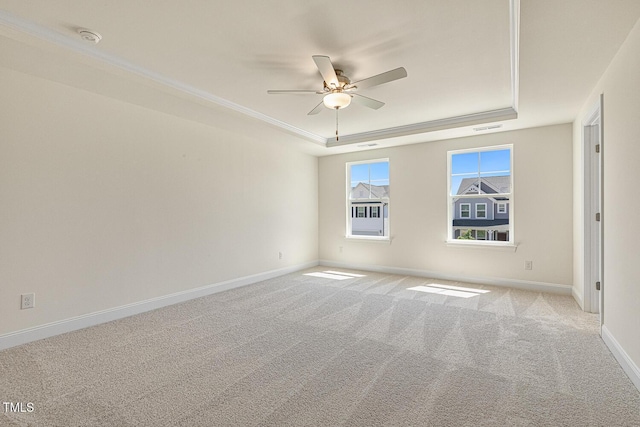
104, 203
418, 210
620, 85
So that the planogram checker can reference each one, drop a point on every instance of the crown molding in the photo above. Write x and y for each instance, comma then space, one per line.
508, 113
514, 37
78, 46
423, 127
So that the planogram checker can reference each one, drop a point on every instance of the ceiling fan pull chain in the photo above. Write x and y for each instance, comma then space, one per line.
337, 125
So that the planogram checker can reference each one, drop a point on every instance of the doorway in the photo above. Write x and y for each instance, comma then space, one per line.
593, 215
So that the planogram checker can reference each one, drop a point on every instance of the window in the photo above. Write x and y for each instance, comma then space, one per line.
481, 178
368, 195
465, 210
481, 210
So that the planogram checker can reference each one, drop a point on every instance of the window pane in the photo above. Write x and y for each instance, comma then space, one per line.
380, 173
464, 163
481, 210
495, 170
359, 173
464, 184
495, 161
464, 168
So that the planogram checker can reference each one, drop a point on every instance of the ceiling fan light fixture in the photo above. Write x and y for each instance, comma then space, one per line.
337, 100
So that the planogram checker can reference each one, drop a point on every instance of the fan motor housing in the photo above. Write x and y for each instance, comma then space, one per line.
342, 79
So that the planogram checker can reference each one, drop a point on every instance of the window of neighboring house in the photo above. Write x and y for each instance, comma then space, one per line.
465, 210
481, 210
368, 182
473, 175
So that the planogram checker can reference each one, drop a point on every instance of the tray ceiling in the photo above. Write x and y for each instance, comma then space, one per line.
468, 63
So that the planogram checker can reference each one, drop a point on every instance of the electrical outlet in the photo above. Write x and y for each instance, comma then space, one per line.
340, 249
528, 265
27, 301
279, 255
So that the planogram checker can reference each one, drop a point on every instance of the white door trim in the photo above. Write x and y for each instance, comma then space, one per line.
592, 134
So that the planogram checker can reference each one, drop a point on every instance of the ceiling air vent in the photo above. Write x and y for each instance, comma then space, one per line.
480, 129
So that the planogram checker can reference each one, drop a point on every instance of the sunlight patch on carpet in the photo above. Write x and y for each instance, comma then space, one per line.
450, 290
335, 275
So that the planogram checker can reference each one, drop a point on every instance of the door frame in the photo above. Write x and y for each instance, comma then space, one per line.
593, 197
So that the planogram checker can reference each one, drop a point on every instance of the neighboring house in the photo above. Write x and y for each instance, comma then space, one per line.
370, 210
482, 218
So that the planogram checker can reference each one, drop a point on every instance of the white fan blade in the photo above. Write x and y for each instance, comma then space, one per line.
389, 76
326, 69
367, 102
317, 109
278, 92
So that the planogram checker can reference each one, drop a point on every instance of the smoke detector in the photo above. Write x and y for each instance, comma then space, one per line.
89, 36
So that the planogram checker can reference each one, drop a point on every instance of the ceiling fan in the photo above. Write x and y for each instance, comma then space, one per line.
338, 90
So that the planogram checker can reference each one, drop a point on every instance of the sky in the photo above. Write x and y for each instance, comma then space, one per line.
473, 165
375, 173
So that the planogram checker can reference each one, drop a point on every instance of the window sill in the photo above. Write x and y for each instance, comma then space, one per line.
374, 239
475, 244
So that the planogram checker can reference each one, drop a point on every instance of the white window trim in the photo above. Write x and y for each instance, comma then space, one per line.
385, 201
485, 211
502, 205
469, 210
482, 244
508, 245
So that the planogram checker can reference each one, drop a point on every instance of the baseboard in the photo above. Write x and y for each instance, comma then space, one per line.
630, 368
578, 297
494, 281
24, 336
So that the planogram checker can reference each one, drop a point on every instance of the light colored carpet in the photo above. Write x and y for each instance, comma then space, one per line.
360, 349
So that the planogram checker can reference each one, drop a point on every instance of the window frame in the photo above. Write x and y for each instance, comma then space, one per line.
468, 210
485, 211
502, 205
385, 205
510, 196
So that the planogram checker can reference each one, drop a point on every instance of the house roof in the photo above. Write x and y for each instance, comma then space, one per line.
377, 191
488, 184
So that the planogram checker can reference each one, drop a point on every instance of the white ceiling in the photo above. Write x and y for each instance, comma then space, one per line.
468, 62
